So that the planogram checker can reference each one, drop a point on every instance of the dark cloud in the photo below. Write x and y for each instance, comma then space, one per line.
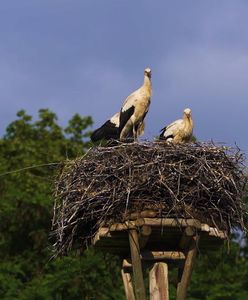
87, 56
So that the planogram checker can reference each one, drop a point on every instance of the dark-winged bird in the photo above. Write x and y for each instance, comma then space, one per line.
180, 131
135, 108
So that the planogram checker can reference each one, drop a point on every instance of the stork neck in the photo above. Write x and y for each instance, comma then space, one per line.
187, 120
147, 81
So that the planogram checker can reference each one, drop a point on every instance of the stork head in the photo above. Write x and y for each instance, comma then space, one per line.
148, 72
187, 112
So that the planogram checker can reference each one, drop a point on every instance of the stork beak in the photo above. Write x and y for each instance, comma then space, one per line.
149, 74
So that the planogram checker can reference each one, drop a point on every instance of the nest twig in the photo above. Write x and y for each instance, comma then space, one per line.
200, 181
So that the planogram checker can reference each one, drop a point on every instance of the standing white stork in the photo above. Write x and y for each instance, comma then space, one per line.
135, 108
110, 129
180, 131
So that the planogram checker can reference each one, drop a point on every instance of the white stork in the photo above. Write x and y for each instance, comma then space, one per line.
110, 129
135, 108
180, 131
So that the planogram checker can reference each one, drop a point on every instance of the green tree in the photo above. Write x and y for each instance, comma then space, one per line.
30, 153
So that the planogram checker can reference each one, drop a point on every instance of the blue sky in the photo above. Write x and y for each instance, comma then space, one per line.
86, 57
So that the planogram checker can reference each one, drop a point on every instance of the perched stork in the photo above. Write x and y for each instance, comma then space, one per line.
179, 131
110, 129
135, 108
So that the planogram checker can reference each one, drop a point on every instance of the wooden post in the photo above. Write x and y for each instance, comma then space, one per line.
127, 281
145, 233
186, 238
187, 270
139, 286
159, 287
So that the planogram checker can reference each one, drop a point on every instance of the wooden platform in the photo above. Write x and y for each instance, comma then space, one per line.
155, 243
165, 234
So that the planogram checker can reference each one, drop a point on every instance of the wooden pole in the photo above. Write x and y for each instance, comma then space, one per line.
187, 237
159, 286
145, 233
127, 281
183, 285
139, 286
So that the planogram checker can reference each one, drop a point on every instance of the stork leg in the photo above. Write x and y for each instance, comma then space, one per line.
126, 131
134, 133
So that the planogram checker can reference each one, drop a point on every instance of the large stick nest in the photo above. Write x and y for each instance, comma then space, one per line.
200, 181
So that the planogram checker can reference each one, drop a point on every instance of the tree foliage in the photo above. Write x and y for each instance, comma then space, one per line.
30, 151
29, 155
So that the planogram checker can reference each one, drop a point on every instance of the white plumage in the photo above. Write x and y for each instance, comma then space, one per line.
135, 108
180, 131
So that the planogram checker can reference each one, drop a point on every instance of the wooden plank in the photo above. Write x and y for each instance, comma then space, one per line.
212, 231
162, 255
205, 227
183, 285
217, 233
158, 282
137, 267
128, 286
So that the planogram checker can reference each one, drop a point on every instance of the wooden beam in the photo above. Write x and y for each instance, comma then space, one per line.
102, 232
137, 267
162, 255
122, 226
149, 257
169, 222
105, 232
156, 222
183, 285
158, 282
128, 286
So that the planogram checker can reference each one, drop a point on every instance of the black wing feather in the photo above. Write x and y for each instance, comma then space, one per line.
162, 137
107, 131
125, 116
